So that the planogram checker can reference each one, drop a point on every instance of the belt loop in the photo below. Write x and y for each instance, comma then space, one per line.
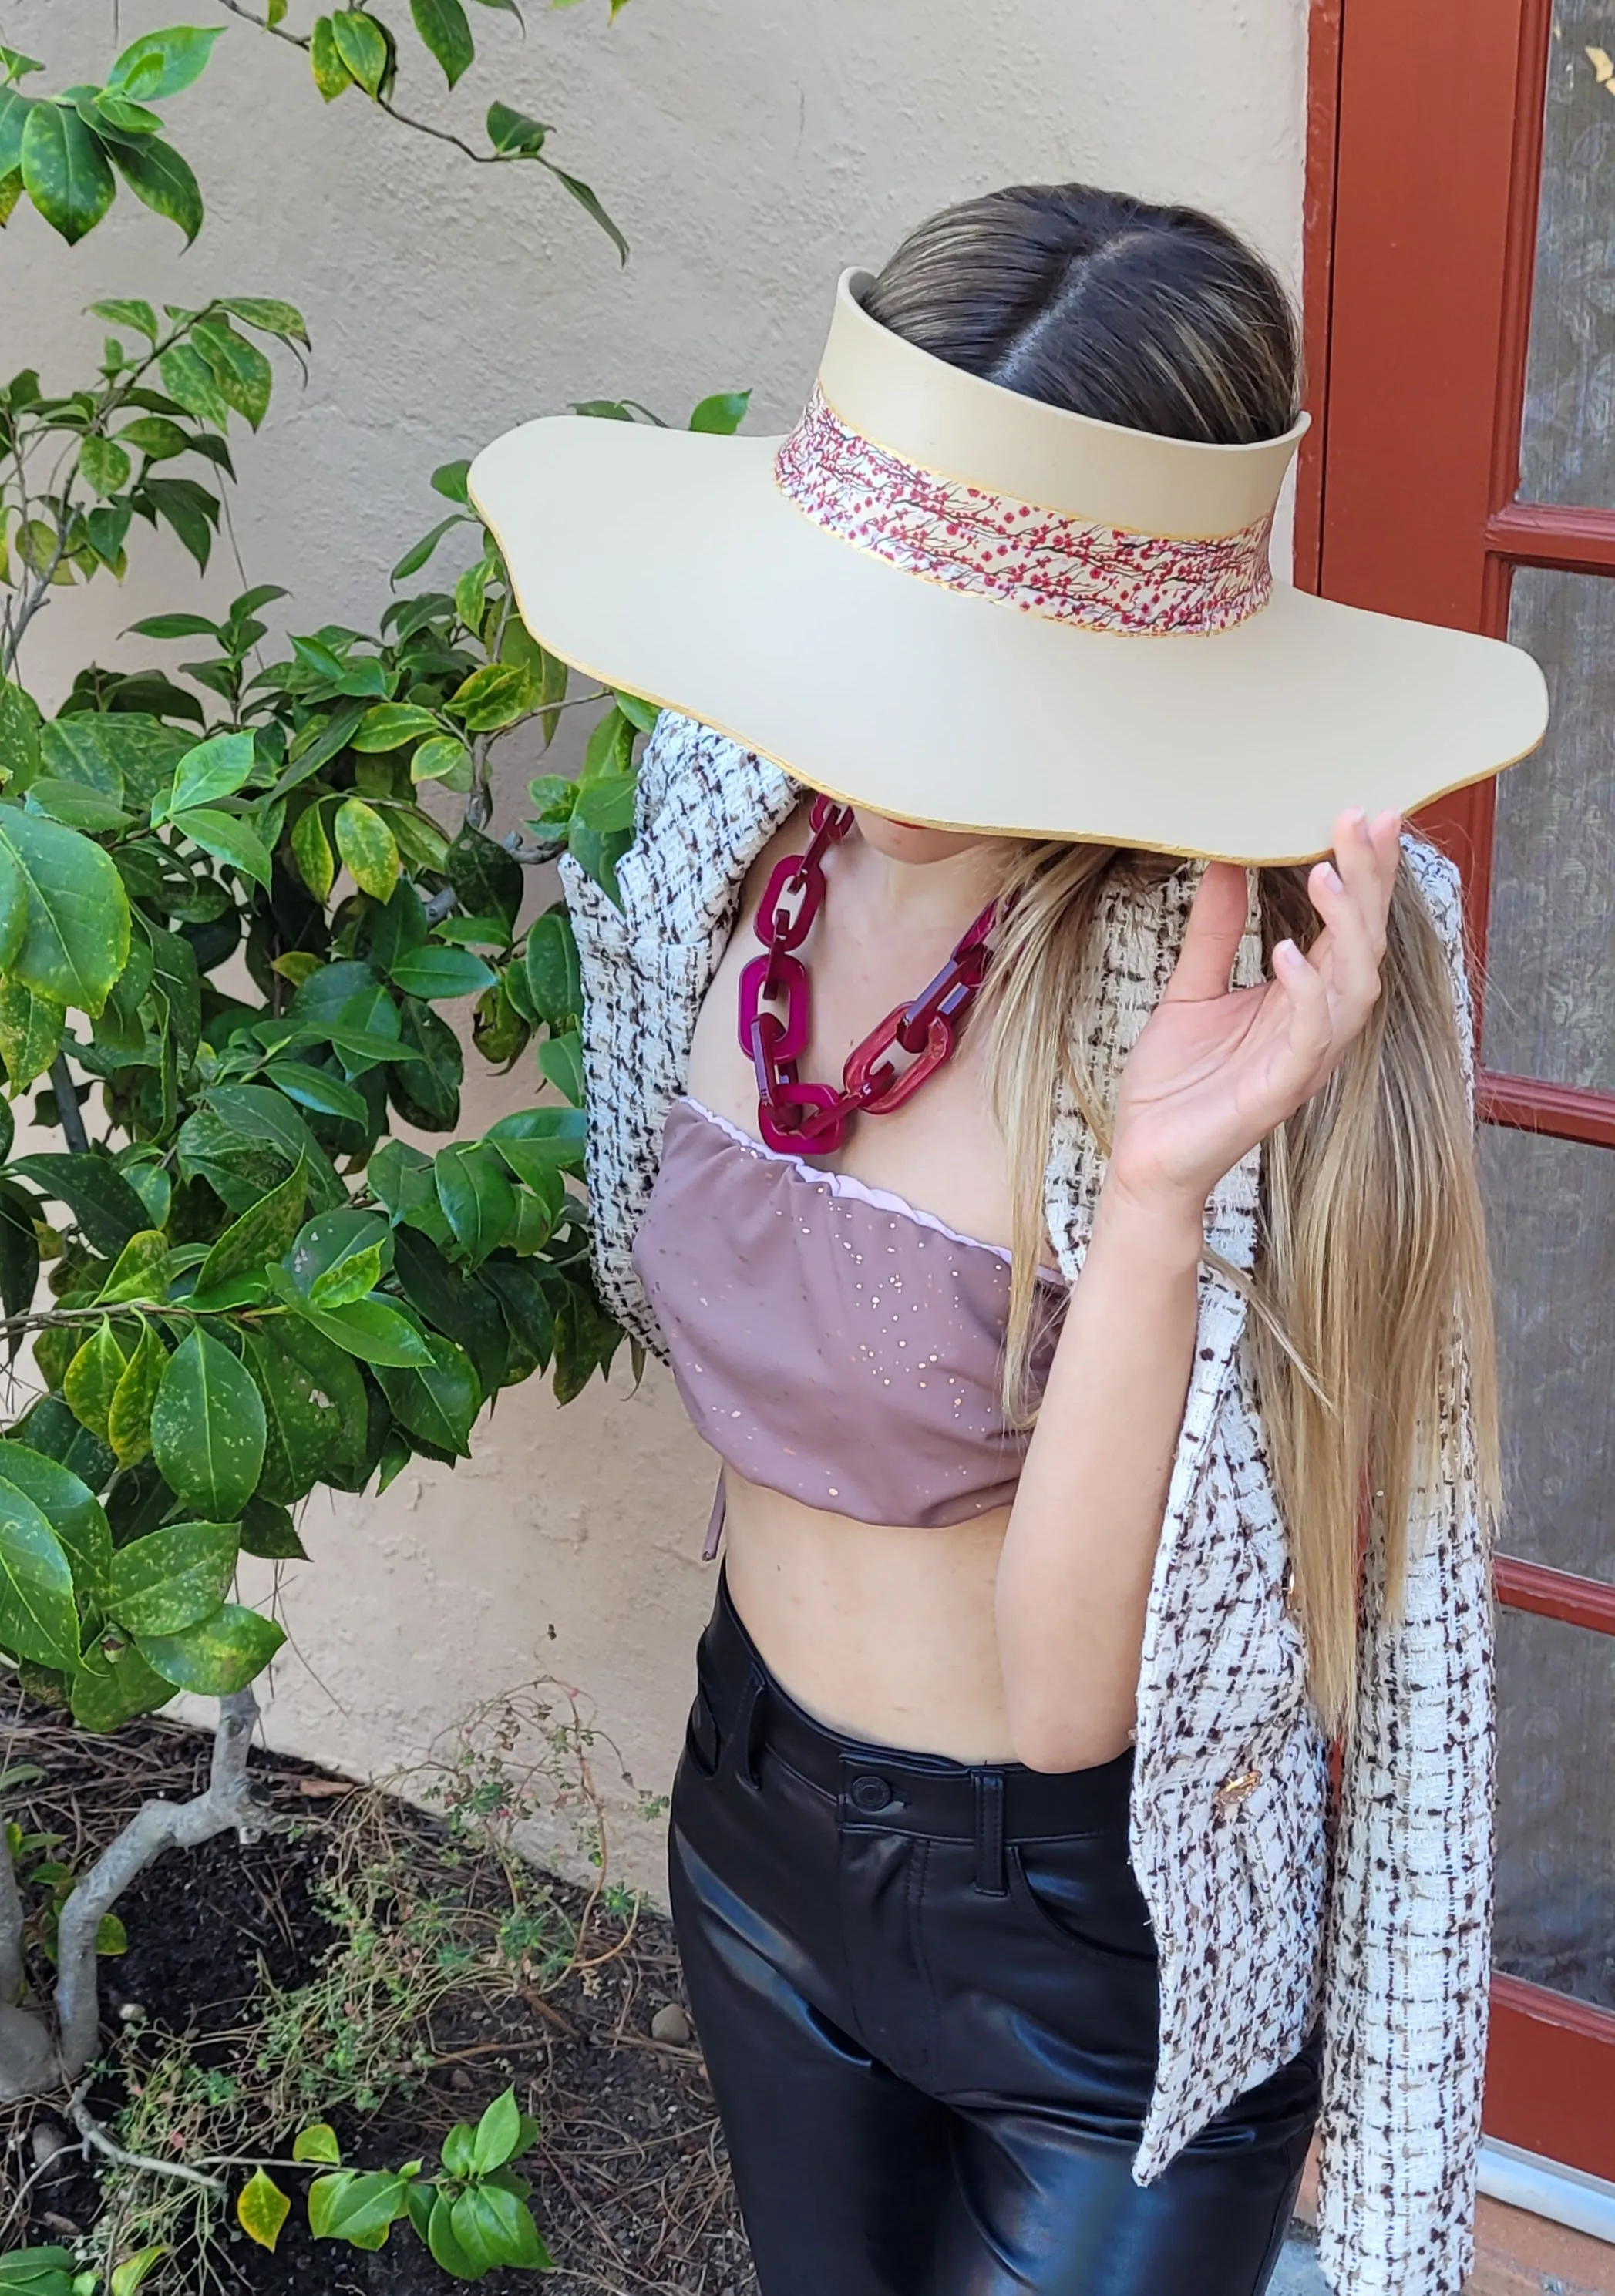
749, 1728
991, 1879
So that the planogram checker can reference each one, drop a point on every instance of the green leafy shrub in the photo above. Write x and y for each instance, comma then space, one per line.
243, 898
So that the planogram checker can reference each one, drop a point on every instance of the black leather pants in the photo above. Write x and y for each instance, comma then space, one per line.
927, 1998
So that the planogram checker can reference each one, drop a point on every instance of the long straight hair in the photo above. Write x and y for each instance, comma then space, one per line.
1372, 1284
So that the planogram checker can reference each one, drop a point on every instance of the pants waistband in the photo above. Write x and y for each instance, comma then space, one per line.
889, 1789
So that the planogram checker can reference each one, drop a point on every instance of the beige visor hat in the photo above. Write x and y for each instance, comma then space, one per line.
958, 606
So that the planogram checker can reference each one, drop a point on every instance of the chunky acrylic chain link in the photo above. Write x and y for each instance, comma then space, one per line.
775, 1010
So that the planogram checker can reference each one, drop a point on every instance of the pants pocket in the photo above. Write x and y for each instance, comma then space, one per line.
1081, 1891
702, 1744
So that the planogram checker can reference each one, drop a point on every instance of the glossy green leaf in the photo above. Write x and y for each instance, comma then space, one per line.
268, 315
434, 971
444, 2247
212, 769
493, 697
71, 1509
444, 759
76, 807
92, 1378
105, 1692
317, 2142
371, 1330
514, 135
479, 1203
65, 170
591, 205
268, 1532
228, 838
207, 1431
187, 378
262, 1232
722, 415
129, 312
444, 30
311, 849
157, 175
487, 879
418, 553
128, 1428
160, 64
125, 755
359, 2208
38, 1615
354, 1279
136, 2269
104, 1205
244, 376
554, 976
221, 1654
438, 1403
362, 45
30, 1030
458, 1305
368, 847
561, 1061
173, 1578
320, 1089
389, 724
498, 2135
102, 464
140, 1271
246, 1139
20, 728
75, 939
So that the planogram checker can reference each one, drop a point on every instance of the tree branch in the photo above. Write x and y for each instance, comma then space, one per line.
228, 1802
85, 2122
11, 1925
68, 1114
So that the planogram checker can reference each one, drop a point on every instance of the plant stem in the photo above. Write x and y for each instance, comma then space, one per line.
94, 2135
228, 1802
68, 1114
11, 1925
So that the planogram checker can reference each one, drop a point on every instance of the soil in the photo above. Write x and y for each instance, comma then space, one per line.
630, 2185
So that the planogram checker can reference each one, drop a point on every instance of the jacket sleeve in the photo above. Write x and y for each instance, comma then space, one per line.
1410, 1923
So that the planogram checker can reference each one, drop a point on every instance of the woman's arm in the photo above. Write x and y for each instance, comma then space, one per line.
1213, 1074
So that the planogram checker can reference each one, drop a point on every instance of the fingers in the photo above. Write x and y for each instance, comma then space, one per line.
1352, 894
1217, 921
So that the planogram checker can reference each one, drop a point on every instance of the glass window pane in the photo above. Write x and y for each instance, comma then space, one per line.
1555, 1921
1550, 1000
1568, 445
1551, 1207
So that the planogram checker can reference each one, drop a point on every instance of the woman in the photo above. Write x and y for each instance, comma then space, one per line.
1050, 1355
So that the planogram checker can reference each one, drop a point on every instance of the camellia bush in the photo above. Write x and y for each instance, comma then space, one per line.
235, 942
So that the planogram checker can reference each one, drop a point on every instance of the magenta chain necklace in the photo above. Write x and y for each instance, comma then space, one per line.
812, 1119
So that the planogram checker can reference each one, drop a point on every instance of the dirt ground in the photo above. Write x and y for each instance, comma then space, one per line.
630, 2185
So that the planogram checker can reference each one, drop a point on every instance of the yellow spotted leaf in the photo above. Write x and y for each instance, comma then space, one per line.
366, 845
262, 2209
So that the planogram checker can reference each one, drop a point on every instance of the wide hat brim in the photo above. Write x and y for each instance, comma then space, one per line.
670, 565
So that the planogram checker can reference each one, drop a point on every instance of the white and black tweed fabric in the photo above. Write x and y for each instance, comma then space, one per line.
1261, 1919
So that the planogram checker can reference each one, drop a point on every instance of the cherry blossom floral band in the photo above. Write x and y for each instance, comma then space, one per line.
989, 545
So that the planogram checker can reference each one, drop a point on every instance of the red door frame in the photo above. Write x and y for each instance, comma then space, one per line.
1423, 166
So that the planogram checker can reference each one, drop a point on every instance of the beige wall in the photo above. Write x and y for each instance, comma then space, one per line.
751, 148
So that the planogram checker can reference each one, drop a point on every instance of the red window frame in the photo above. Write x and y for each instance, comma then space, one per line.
1424, 164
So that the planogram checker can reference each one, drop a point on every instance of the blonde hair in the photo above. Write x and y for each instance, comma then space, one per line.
1372, 1285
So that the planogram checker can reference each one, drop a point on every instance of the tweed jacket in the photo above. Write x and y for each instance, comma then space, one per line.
1266, 1912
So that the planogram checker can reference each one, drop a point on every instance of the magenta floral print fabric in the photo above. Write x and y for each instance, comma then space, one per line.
1067, 569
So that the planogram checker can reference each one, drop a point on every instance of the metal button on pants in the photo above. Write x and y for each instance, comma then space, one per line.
927, 1997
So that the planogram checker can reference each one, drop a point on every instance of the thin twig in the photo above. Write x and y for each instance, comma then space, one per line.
68, 1114
93, 2134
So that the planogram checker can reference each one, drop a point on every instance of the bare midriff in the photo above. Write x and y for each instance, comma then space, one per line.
884, 1632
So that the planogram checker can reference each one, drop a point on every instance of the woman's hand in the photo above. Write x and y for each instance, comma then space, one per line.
1216, 1070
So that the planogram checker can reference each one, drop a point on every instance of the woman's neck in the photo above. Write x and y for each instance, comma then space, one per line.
929, 879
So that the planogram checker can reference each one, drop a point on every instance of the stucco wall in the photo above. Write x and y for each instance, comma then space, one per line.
750, 148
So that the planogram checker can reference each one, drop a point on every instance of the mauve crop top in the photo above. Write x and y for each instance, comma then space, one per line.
829, 1341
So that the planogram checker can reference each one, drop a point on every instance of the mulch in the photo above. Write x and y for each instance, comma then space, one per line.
631, 2189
